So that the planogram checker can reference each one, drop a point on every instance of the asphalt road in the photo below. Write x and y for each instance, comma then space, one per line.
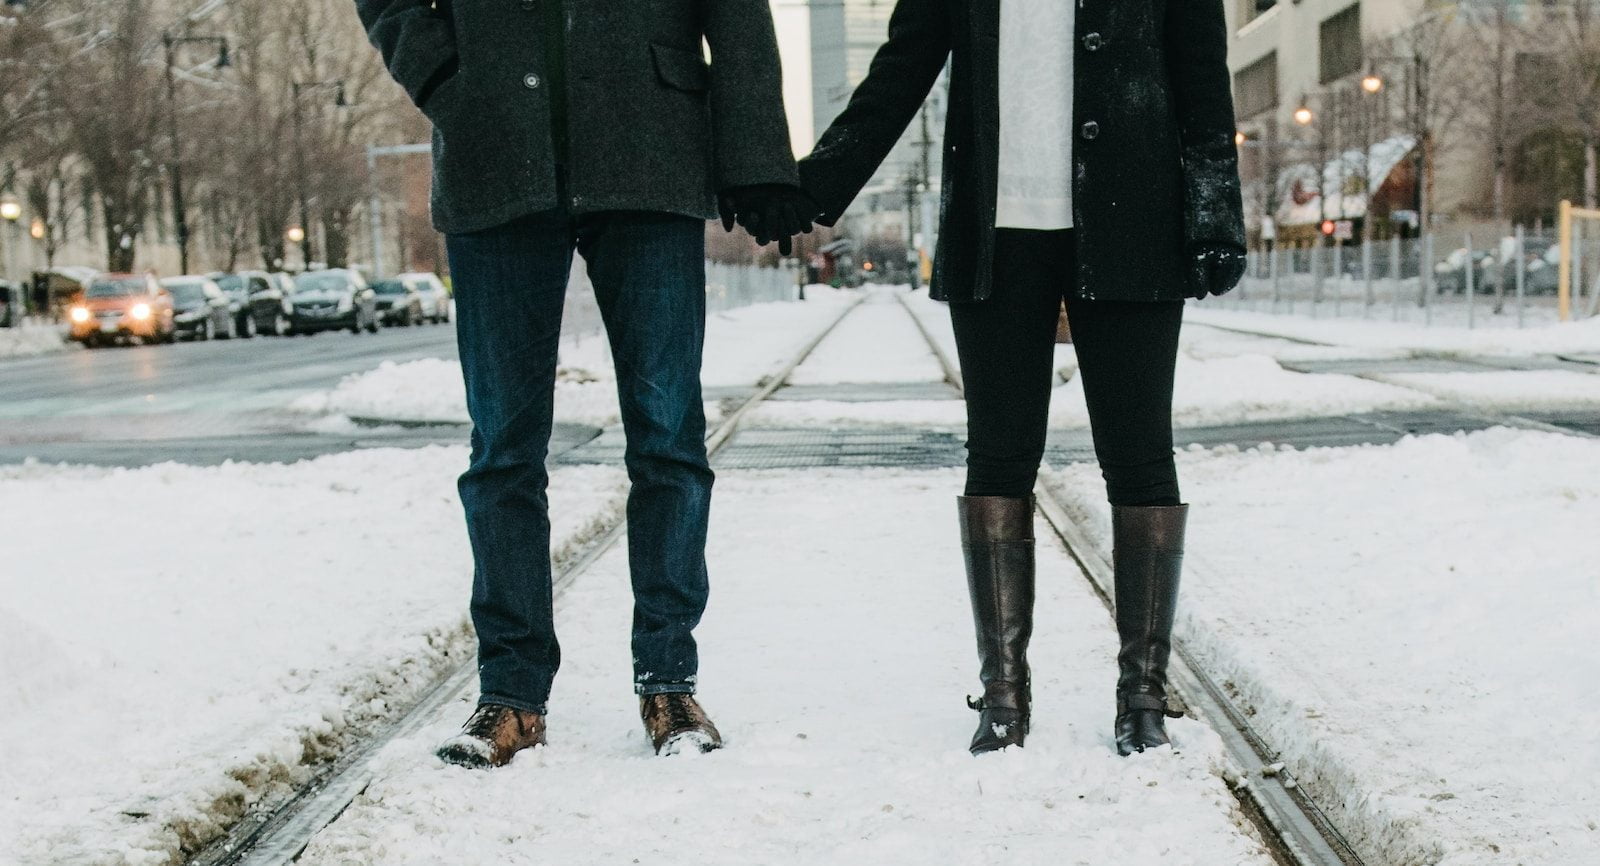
204, 403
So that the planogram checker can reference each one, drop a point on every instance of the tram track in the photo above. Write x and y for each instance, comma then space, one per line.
279, 835
1296, 829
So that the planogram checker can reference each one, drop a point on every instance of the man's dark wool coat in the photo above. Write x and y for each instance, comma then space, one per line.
1155, 169
651, 125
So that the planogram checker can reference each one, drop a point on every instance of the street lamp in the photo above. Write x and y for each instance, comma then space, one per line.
1303, 115
295, 234
296, 89
11, 211
1371, 83
180, 212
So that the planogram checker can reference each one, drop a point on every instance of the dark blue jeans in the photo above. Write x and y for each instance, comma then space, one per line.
648, 271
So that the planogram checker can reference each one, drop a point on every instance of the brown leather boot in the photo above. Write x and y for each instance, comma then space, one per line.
675, 722
997, 539
492, 737
1147, 556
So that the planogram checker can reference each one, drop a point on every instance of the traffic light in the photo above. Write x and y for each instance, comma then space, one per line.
1328, 227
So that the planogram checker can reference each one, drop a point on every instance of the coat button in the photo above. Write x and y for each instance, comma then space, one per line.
530, 81
1090, 131
528, 5
1091, 42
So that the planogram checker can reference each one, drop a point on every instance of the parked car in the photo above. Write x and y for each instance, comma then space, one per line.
123, 307
435, 297
259, 302
330, 299
398, 303
1450, 275
200, 309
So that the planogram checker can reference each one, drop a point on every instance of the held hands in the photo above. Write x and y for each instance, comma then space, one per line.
1214, 268
769, 211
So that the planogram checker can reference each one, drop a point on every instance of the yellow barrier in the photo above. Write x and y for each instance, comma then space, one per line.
1568, 212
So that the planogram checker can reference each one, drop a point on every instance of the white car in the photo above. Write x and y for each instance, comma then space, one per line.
435, 297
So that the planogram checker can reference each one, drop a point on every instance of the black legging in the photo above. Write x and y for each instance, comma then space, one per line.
1126, 355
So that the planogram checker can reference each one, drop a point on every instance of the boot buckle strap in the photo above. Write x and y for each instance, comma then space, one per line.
1150, 702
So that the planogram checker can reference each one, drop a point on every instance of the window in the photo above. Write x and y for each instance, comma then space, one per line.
1250, 10
1341, 44
1256, 87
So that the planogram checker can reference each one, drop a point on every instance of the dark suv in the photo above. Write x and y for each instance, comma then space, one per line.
332, 299
257, 301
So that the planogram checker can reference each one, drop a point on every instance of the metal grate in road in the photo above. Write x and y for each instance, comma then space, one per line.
869, 392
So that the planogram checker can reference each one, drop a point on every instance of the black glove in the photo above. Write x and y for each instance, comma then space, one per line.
769, 211
1214, 268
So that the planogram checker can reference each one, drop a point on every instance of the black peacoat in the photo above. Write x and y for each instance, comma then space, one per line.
651, 125
1155, 169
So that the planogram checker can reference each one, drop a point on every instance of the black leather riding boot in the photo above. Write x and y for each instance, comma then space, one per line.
1147, 556
997, 539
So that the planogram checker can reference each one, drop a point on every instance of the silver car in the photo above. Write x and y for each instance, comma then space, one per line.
435, 297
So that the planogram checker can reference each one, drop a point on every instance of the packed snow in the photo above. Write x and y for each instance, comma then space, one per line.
189, 641
877, 343
836, 656
1411, 627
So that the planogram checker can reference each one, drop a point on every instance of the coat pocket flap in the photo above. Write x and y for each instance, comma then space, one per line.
682, 69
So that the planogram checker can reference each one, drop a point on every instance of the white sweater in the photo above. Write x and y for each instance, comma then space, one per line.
1036, 54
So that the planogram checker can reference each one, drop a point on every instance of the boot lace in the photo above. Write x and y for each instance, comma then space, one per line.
679, 711
484, 722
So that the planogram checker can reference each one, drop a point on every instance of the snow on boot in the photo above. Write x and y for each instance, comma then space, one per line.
997, 542
1147, 557
676, 723
492, 736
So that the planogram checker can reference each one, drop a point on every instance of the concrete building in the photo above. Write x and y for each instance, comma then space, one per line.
1382, 94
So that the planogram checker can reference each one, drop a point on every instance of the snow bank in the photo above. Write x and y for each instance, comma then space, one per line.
1570, 337
32, 340
835, 665
179, 643
1413, 628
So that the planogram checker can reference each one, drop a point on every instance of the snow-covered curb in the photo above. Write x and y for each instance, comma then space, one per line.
1401, 621
216, 671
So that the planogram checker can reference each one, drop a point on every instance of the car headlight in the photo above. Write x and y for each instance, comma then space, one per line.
80, 314
140, 311
346, 304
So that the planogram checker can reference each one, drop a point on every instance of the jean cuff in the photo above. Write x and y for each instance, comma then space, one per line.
513, 703
644, 689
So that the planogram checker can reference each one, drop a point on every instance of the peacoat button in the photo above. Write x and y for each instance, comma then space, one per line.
530, 81
1090, 131
528, 5
1091, 42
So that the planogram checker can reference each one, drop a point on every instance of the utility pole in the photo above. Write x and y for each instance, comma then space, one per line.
295, 89
180, 211
375, 202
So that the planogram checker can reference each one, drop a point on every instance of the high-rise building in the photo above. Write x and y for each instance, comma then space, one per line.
828, 48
